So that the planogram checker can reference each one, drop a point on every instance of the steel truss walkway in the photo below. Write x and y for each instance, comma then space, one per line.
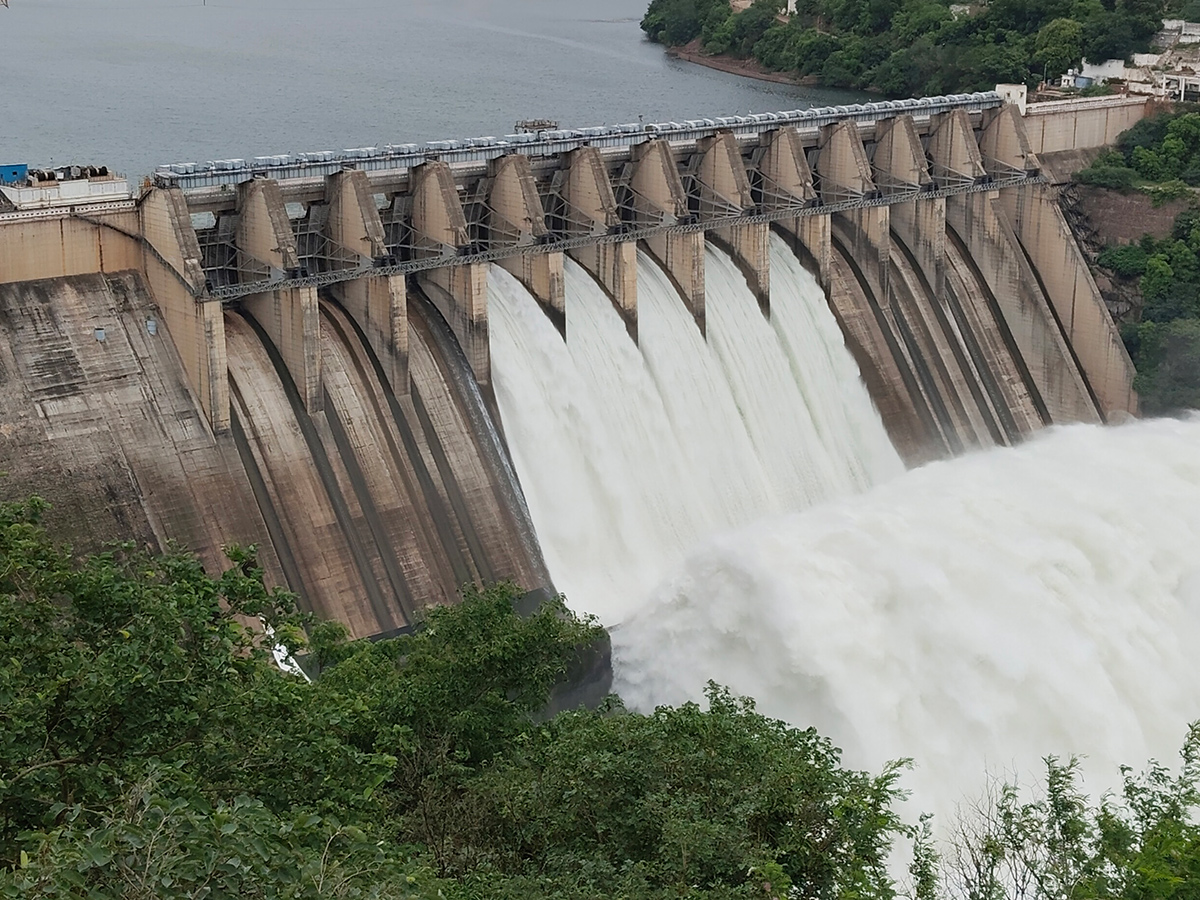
365, 267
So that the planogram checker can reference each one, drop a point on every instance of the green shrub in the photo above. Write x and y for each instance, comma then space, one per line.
1126, 260
1115, 178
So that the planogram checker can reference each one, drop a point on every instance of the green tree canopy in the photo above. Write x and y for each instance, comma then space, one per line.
1058, 46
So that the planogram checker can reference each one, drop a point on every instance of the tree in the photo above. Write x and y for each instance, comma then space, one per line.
722, 799
1060, 844
1158, 277
1058, 46
1168, 363
146, 729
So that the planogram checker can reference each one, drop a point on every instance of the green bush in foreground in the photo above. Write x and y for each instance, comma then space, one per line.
151, 749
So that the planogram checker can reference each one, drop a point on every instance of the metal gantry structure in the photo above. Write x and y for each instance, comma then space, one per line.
232, 274
228, 282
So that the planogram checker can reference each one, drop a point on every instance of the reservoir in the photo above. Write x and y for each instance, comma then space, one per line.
135, 83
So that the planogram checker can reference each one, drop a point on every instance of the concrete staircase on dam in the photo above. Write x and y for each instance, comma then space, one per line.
302, 362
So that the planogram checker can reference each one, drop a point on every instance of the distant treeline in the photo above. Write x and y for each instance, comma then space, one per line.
908, 48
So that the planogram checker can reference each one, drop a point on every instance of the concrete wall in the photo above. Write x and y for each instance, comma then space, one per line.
1078, 307
1080, 124
175, 280
59, 247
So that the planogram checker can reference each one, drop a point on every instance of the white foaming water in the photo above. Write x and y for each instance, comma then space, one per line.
975, 614
846, 420
629, 455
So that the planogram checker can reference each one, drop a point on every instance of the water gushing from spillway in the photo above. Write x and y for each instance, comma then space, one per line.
733, 506
976, 614
630, 453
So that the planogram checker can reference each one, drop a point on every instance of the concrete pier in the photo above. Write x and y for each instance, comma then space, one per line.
659, 196
591, 209
266, 245
379, 304
724, 191
460, 291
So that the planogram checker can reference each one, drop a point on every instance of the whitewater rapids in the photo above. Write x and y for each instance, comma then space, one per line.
976, 614
732, 509
631, 453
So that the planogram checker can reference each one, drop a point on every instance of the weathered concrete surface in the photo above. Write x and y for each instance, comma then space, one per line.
1002, 371
845, 173
380, 504
937, 358
885, 369
991, 248
378, 304
174, 281
460, 292
108, 431
309, 536
899, 163
265, 240
62, 246
1074, 298
1080, 124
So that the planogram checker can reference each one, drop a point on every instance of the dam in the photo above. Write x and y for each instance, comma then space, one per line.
341, 357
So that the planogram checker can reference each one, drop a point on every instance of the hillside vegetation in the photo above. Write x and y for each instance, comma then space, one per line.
914, 47
150, 748
1160, 155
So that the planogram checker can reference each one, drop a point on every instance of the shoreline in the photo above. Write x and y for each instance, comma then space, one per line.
747, 68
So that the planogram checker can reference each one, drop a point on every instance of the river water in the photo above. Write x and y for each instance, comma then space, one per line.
136, 83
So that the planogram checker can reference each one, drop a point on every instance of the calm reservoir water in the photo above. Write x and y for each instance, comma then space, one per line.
136, 83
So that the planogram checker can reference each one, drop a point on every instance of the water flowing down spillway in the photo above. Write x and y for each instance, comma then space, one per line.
976, 614
630, 453
733, 507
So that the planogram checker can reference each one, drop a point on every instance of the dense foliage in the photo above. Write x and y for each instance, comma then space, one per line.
1160, 155
151, 748
914, 47
1141, 845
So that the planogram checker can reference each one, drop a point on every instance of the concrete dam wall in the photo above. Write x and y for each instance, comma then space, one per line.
296, 354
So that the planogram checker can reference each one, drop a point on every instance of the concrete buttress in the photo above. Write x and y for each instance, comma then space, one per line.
591, 208
1004, 144
953, 152
786, 180
379, 304
459, 292
844, 173
724, 190
197, 327
659, 197
899, 164
289, 316
516, 218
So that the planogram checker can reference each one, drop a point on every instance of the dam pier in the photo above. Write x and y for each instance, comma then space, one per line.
294, 351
